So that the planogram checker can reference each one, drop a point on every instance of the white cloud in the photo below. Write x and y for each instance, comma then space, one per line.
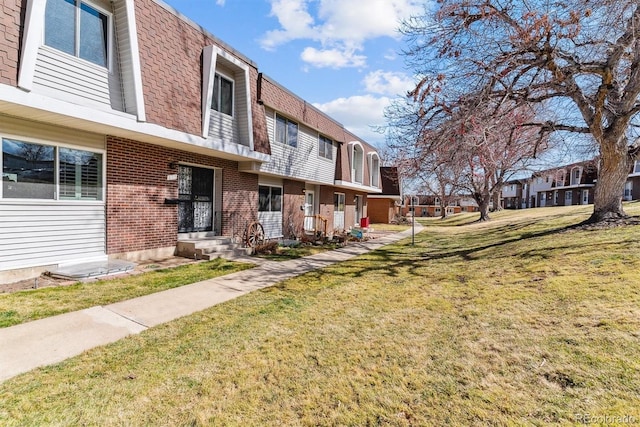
332, 58
220, 2
359, 114
295, 20
340, 25
391, 83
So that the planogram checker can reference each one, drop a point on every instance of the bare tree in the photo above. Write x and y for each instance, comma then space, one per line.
579, 59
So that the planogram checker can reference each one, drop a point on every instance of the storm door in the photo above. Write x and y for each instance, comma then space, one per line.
195, 194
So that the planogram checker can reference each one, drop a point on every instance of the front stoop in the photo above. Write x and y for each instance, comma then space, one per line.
208, 248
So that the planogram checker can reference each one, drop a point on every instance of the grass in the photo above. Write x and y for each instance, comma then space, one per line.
284, 253
24, 306
514, 322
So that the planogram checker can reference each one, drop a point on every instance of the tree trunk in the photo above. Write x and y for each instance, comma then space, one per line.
612, 174
484, 210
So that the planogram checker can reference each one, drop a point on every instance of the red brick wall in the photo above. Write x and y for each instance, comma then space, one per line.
171, 62
297, 109
137, 218
292, 215
10, 25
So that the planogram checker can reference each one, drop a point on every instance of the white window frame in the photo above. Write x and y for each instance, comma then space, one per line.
374, 170
271, 187
325, 142
56, 159
576, 181
217, 77
76, 55
357, 167
287, 121
568, 197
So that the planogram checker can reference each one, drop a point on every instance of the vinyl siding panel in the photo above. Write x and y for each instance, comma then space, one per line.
124, 56
50, 232
301, 162
272, 224
65, 77
234, 129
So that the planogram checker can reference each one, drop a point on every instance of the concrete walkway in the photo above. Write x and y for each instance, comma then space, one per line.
54, 339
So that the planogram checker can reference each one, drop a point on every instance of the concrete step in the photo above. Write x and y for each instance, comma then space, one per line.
210, 248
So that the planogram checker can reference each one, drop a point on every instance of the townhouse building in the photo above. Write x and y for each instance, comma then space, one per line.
126, 128
571, 184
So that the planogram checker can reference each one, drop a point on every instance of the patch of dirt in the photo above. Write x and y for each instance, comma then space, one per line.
606, 224
44, 281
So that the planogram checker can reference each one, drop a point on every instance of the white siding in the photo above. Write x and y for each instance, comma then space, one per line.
272, 224
301, 162
50, 232
124, 57
66, 77
226, 128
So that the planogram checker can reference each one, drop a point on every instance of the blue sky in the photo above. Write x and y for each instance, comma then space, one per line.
343, 56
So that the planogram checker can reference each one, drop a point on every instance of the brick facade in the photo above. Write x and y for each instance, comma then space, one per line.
172, 72
292, 215
137, 185
11, 22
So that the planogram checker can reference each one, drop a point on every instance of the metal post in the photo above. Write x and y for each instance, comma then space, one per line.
413, 222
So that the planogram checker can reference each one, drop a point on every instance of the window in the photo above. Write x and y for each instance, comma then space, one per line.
79, 29
286, 131
269, 199
338, 202
636, 167
357, 158
80, 175
568, 196
374, 173
222, 95
325, 147
28, 172
575, 176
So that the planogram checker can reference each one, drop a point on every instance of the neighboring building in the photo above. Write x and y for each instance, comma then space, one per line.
632, 186
567, 185
430, 206
384, 207
512, 194
143, 129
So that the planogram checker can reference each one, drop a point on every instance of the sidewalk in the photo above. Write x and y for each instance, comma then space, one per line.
54, 339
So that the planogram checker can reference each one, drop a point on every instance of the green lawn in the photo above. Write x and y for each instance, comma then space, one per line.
20, 307
514, 322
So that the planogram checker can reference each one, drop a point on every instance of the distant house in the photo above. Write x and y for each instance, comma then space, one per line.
426, 205
384, 207
571, 184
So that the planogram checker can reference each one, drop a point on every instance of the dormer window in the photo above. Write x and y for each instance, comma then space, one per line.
374, 171
222, 100
575, 176
357, 160
286, 131
79, 29
325, 147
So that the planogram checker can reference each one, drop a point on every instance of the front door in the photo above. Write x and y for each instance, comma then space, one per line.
195, 194
309, 220
358, 203
338, 211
